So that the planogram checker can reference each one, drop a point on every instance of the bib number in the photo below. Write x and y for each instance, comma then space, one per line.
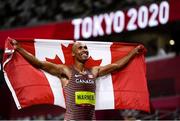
84, 97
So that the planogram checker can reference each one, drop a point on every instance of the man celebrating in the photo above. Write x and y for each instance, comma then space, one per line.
77, 80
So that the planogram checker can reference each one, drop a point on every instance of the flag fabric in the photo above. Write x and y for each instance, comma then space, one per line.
124, 89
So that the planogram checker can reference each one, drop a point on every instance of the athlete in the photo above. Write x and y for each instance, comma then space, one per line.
77, 80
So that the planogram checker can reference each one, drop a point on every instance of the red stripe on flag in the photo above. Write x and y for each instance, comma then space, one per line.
30, 84
130, 90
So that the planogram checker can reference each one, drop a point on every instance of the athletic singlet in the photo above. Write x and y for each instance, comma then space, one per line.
80, 96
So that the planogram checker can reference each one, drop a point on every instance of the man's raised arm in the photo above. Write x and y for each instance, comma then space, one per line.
54, 69
103, 70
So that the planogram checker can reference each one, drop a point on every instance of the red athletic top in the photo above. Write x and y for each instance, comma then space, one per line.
79, 83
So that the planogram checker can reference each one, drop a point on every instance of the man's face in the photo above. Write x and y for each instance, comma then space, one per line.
80, 51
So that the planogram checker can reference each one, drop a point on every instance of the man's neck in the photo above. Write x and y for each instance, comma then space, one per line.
79, 67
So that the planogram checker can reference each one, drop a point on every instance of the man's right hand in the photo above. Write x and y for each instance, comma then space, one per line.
15, 44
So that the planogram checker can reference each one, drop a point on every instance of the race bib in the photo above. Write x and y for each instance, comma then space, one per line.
84, 97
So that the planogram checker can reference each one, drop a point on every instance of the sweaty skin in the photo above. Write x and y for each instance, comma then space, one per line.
81, 55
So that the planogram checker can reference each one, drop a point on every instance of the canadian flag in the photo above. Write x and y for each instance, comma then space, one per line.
124, 89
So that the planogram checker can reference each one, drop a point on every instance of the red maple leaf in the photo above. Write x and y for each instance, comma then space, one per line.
69, 59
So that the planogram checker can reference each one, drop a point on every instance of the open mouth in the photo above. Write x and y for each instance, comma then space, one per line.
84, 54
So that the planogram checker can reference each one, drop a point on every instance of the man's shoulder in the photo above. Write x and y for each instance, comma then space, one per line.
94, 70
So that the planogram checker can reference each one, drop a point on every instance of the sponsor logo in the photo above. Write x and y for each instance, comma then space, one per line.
77, 75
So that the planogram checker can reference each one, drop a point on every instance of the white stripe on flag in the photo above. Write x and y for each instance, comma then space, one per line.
57, 90
104, 89
104, 86
49, 49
